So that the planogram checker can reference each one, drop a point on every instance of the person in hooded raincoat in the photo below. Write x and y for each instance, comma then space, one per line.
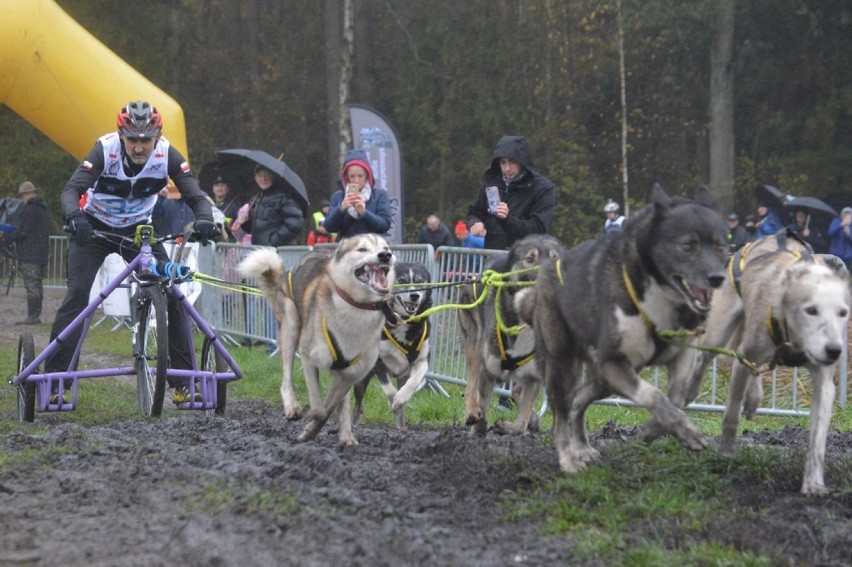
527, 198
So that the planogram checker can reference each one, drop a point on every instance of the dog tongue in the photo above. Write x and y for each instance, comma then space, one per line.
380, 282
701, 296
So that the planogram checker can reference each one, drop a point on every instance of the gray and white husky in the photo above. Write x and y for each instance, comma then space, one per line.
331, 309
404, 346
606, 303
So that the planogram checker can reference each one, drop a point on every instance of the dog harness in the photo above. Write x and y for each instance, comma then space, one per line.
411, 350
737, 262
507, 362
339, 363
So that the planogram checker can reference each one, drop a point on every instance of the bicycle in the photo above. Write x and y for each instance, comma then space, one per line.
152, 281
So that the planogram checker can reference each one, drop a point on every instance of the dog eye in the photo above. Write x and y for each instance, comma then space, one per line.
843, 313
811, 310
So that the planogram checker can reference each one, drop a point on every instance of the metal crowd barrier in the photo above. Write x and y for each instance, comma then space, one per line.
248, 317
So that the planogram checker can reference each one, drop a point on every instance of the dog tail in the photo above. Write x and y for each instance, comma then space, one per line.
265, 266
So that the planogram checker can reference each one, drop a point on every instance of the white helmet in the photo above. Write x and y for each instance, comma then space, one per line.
611, 206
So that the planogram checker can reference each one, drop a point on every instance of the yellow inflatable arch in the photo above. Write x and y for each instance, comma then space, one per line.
66, 83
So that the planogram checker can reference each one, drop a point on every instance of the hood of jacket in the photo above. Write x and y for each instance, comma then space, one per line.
357, 157
512, 147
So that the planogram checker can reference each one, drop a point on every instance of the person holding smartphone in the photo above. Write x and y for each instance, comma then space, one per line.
514, 200
358, 207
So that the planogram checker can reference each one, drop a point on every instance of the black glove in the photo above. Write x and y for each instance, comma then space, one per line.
81, 229
204, 231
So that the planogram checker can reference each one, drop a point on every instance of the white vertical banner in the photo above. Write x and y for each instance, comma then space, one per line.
372, 133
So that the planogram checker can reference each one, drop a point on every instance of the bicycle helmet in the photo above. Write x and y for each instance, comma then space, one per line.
139, 120
611, 207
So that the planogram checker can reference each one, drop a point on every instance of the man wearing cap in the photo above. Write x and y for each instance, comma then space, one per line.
32, 241
526, 198
841, 240
737, 234
227, 202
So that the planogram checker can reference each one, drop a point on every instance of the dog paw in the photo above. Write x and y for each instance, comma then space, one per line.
473, 419
586, 454
727, 447
309, 432
569, 463
348, 440
293, 413
691, 438
814, 488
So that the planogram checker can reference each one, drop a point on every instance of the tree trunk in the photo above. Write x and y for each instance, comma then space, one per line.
347, 49
623, 82
332, 89
722, 106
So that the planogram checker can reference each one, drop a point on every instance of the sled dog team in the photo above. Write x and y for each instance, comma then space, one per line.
597, 314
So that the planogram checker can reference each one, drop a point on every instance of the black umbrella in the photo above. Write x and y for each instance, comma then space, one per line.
770, 196
238, 164
811, 205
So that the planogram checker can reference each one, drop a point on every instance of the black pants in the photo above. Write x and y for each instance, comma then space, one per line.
83, 263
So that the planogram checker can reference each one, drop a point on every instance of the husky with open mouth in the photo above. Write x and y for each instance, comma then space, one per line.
330, 309
605, 302
404, 348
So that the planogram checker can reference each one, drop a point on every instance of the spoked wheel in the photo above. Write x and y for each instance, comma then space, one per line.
153, 345
26, 390
212, 361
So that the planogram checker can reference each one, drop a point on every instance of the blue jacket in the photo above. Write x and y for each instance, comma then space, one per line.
770, 224
841, 243
377, 216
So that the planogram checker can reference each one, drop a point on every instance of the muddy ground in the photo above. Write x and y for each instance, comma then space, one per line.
191, 489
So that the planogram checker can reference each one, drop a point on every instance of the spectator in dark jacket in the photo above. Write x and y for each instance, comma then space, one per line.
737, 234
527, 198
435, 232
359, 207
32, 242
275, 217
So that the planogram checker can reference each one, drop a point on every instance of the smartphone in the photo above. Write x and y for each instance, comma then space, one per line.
351, 188
493, 195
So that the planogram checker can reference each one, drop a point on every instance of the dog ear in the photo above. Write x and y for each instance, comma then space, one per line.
703, 196
659, 197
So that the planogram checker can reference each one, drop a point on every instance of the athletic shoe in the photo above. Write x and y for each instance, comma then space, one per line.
181, 395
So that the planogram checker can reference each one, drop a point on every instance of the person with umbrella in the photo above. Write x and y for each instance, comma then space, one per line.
770, 220
807, 231
275, 216
359, 207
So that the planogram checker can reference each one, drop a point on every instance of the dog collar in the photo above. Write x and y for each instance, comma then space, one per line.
383, 306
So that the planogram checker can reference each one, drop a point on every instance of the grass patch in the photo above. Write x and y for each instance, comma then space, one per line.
650, 504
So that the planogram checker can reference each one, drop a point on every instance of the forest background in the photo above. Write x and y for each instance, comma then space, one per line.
453, 76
